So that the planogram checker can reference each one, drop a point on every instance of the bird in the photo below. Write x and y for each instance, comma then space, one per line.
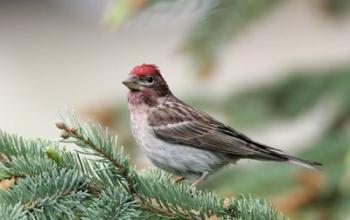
183, 140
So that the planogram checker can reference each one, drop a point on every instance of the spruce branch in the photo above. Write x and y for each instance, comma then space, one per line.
59, 184
55, 193
154, 191
86, 136
17, 153
112, 202
10, 212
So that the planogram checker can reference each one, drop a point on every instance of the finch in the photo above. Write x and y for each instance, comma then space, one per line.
183, 140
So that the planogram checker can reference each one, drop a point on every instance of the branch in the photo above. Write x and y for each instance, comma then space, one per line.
102, 185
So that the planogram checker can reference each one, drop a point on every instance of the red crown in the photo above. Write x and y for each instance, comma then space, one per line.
144, 70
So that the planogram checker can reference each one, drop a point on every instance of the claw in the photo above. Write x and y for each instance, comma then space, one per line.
179, 179
199, 180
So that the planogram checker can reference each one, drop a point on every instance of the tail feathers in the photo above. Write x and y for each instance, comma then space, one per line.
265, 152
304, 163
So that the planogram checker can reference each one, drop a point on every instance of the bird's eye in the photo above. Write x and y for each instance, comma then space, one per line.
150, 79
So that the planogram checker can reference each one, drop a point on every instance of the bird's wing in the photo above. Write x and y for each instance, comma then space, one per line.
178, 123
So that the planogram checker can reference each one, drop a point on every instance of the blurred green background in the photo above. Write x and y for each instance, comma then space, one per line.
276, 70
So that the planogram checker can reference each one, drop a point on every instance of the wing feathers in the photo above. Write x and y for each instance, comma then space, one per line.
178, 123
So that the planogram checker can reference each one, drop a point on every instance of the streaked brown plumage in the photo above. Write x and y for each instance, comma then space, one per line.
183, 140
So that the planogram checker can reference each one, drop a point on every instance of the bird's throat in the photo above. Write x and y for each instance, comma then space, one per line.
139, 98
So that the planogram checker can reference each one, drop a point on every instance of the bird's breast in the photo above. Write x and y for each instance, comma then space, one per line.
178, 159
138, 119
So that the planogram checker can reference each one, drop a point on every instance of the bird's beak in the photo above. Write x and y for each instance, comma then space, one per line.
132, 83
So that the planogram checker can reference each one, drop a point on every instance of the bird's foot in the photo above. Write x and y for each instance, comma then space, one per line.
179, 179
199, 180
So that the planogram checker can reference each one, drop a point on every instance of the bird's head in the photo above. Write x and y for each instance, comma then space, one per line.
146, 79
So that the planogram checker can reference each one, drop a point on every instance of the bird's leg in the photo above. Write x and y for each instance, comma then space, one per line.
199, 180
179, 179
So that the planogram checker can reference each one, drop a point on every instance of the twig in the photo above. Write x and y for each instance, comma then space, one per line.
73, 132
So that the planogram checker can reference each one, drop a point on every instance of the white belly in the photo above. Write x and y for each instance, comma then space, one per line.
180, 160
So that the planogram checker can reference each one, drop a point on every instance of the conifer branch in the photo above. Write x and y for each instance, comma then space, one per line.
59, 184
76, 132
73, 132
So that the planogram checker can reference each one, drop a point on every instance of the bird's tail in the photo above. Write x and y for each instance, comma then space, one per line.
304, 163
269, 153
